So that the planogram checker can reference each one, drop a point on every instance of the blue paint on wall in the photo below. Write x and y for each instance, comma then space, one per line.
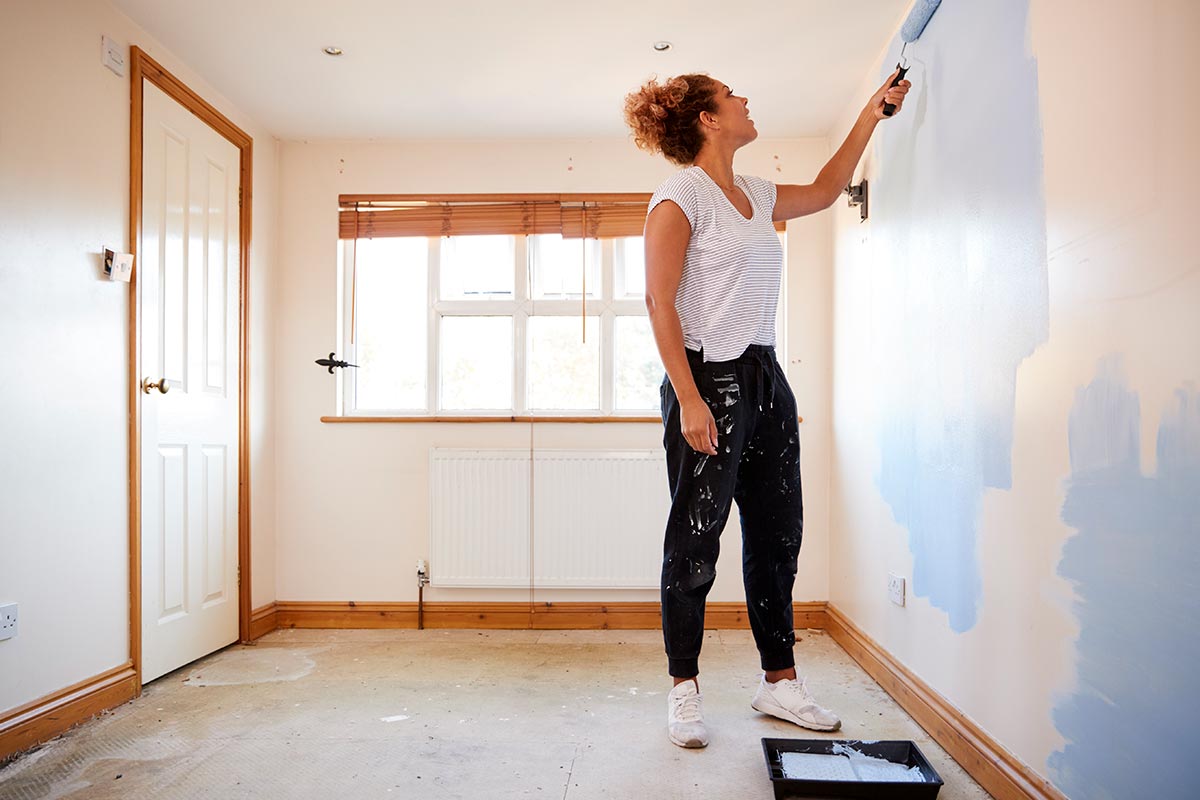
959, 284
1131, 724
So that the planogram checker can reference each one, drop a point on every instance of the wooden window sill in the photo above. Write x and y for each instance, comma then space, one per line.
472, 420
496, 419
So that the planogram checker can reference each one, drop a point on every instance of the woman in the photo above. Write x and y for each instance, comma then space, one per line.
713, 269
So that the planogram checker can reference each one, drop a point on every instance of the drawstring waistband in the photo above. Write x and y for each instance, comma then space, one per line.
762, 358
764, 364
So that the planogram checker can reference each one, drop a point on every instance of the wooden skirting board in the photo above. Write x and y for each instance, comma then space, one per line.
998, 771
44, 718
512, 616
263, 620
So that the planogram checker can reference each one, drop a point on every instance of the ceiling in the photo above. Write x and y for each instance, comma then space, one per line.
518, 69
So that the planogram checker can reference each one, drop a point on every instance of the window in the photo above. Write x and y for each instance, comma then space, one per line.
392, 334
521, 324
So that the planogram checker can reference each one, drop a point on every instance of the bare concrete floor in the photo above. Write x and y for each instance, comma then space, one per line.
452, 714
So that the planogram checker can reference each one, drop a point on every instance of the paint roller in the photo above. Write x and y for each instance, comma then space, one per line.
918, 18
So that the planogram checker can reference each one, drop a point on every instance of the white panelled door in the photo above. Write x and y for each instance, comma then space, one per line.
188, 279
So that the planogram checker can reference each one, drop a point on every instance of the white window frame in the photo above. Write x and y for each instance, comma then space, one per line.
521, 307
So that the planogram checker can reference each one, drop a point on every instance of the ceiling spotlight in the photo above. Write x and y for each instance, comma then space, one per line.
332, 51
662, 47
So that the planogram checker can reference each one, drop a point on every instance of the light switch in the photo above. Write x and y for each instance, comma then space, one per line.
112, 55
118, 266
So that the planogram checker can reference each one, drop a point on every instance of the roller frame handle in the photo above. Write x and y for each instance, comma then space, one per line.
890, 108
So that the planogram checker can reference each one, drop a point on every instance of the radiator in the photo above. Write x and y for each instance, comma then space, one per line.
589, 519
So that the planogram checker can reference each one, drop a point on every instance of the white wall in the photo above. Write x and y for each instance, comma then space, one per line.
353, 509
64, 195
1085, 579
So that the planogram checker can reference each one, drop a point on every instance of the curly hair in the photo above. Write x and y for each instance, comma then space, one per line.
664, 117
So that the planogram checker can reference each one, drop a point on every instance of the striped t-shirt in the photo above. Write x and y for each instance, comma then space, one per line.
730, 286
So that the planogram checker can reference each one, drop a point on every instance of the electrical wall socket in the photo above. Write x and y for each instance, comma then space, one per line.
896, 588
8, 621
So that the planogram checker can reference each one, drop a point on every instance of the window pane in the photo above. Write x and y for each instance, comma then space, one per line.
391, 319
477, 267
631, 253
639, 370
557, 266
563, 370
477, 363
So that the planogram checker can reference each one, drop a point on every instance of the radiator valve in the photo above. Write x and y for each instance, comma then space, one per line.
422, 573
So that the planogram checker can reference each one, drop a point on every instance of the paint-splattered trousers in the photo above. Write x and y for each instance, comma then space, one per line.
757, 465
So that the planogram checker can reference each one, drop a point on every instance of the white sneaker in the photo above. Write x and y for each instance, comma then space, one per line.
685, 725
789, 700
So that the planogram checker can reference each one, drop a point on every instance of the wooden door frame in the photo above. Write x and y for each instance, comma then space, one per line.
145, 68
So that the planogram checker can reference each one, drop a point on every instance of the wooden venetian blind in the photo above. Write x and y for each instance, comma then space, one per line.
575, 216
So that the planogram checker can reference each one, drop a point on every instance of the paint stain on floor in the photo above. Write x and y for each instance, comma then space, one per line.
252, 665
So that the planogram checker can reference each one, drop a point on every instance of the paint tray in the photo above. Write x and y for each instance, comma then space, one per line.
904, 753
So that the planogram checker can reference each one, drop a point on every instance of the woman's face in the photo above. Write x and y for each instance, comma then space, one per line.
733, 116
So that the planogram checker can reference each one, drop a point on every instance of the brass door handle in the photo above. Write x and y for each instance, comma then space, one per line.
161, 384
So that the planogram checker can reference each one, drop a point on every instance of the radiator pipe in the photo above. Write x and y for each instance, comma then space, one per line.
422, 580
